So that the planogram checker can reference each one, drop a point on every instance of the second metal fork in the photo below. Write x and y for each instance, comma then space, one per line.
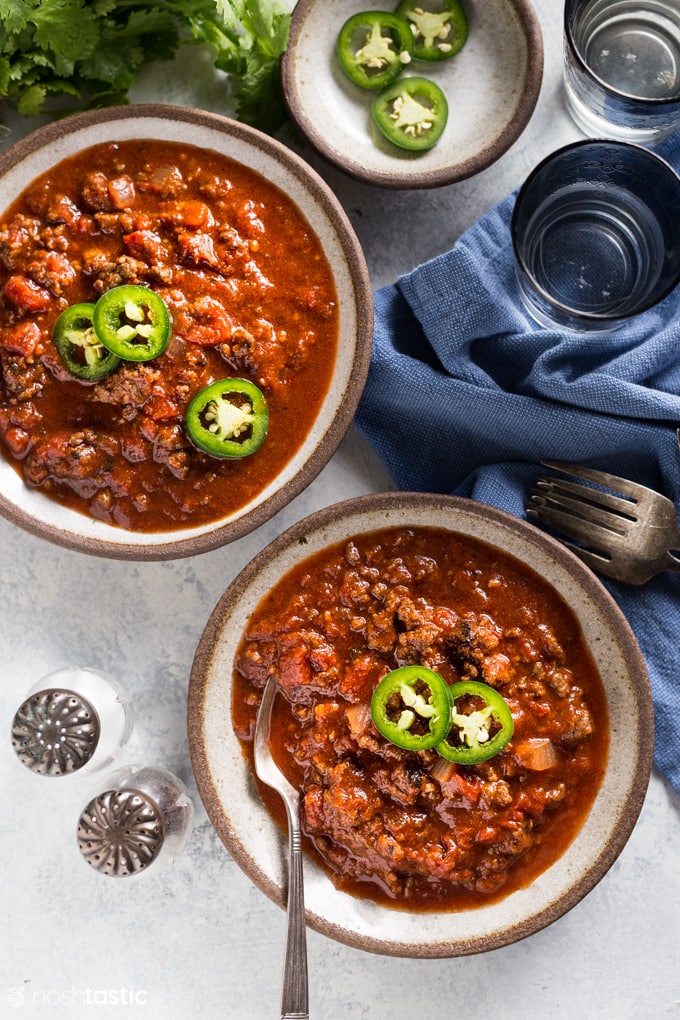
629, 533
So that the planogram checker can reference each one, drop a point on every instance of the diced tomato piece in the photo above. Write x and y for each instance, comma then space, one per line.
531, 802
358, 676
540, 709
161, 408
26, 294
205, 322
86, 225
198, 248
23, 338
63, 210
146, 245
52, 270
194, 215
294, 668
457, 785
18, 441
486, 834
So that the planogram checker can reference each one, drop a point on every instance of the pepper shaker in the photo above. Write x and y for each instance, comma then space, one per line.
140, 816
74, 719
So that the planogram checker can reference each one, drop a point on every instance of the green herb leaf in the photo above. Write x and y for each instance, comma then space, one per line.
259, 101
261, 29
31, 100
14, 15
66, 28
93, 49
232, 13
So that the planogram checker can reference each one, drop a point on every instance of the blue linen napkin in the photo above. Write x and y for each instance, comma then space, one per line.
466, 394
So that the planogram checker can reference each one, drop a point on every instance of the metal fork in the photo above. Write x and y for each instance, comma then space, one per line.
629, 533
295, 992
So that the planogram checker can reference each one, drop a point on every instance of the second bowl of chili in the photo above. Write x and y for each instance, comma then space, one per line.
380, 617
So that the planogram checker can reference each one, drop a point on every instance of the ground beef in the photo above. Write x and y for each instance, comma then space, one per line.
81, 460
130, 386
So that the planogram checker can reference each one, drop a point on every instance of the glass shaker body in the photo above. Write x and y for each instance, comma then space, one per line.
140, 816
75, 719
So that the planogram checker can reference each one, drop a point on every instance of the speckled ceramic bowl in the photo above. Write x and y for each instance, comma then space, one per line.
32, 510
491, 86
236, 811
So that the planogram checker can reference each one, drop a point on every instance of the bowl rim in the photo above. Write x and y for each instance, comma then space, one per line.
389, 507
88, 535
434, 178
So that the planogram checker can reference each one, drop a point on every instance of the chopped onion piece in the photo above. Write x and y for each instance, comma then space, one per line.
442, 770
358, 717
537, 754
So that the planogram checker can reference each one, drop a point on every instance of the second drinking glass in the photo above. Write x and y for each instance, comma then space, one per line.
595, 235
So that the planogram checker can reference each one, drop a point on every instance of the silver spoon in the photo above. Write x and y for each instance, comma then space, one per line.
295, 994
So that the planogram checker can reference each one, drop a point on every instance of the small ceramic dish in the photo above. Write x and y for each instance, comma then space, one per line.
491, 86
33, 155
257, 844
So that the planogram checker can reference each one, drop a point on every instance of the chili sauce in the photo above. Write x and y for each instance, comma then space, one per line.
250, 294
409, 828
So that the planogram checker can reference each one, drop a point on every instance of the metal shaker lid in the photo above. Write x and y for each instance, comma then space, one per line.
120, 832
55, 732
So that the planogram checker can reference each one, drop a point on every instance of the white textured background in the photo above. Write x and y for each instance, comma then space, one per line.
200, 942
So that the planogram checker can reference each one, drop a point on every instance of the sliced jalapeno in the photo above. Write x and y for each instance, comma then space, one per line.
439, 27
411, 113
229, 418
79, 347
133, 322
411, 708
480, 724
373, 48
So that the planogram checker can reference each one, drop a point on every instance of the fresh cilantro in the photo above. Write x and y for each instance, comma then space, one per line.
91, 51
257, 31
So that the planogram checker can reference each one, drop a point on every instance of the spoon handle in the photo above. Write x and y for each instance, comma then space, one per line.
295, 994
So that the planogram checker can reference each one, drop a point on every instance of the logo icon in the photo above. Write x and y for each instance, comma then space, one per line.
15, 996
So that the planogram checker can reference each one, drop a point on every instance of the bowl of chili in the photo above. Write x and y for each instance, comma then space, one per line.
462, 705
186, 322
416, 94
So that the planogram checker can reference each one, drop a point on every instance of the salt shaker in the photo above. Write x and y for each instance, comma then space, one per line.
138, 819
74, 719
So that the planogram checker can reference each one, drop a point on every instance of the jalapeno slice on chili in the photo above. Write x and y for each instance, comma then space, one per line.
411, 707
411, 113
133, 322
229, 418
439, 27
79, 347
373, 48
481, 728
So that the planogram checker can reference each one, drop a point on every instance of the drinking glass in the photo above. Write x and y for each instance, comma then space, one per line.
595, 235
622, 67
75, 719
